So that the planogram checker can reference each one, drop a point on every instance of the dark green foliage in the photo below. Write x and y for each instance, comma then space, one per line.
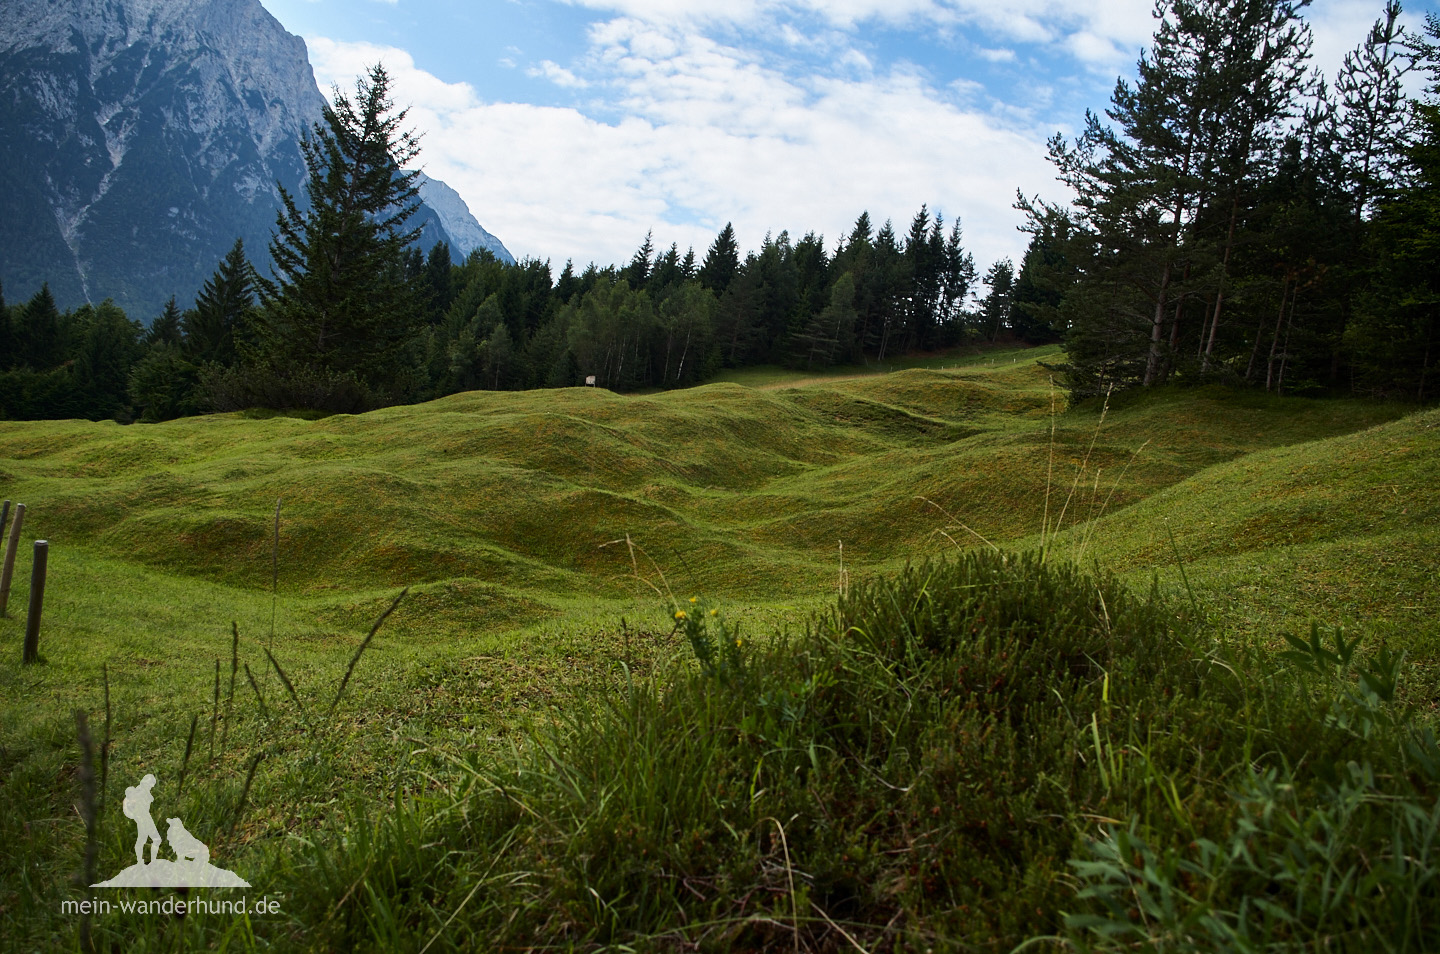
37, 332
1046, 277
1230, 224
968, 755
997, 308
828, 337
438, 279
722, 261
1396, 334
165, 330
343, 309
223, 312
245, 386
637, 273
107, 345
1370, 122
1160, 191
686, 323
75, 364
165, 385
353, 333
7, 336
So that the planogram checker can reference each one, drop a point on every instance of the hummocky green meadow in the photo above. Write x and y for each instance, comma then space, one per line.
921, 660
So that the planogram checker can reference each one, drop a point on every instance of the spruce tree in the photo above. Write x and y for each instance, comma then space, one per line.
342, 309
1395, 338
958, 277
37, 332
1371, 120
165, 329
722, 261
7, 336
923, 264
996, 307
637, 273
1164, 191
1046, 276
223, 310
886, 289
438, 281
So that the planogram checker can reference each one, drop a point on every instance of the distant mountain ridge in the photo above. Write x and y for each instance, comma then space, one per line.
140, 138
466, 234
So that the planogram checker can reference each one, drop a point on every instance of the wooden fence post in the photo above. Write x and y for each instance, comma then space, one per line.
4, 518
8, 569
37, 601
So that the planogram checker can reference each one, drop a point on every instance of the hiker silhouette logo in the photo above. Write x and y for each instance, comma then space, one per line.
191, 867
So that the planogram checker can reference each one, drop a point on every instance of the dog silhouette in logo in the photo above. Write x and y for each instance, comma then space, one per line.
185, 845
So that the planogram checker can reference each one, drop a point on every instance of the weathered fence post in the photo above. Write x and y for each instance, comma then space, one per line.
37, 601
4, 518
8, 569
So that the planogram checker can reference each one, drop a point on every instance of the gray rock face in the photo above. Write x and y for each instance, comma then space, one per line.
466, 235
140, 138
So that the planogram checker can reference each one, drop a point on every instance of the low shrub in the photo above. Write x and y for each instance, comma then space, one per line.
971, 755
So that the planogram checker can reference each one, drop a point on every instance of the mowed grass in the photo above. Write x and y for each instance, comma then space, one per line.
544, 534
1343, 529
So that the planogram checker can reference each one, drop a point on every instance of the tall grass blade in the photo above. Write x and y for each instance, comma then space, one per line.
1090, 529
1084, 464
274, 575
259, 697
289, 686
234, 671
105, 745
355, 659
1049, 477
1184, 578
88, 815
185, 760
215, 712
245, 791
959, 523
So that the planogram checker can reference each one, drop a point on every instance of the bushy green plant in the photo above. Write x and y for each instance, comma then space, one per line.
1323, 853
908, 769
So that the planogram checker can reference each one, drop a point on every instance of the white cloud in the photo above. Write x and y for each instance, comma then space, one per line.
997, 55
1100, 33
1339, 26
557, 74
702, 133
703, 124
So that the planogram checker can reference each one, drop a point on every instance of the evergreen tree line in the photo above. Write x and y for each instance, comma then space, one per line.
1239, 218
1235, 218
661, 321
355, 316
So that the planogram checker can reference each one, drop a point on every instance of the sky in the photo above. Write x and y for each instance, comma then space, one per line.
572, 128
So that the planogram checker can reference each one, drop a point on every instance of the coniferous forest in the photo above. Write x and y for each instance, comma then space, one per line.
1236, 217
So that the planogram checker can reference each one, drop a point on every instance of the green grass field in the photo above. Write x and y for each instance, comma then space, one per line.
547, 537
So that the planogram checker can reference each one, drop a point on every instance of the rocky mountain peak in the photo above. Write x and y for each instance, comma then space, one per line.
140, 138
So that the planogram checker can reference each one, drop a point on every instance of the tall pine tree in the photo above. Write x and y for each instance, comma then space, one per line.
223, 310
343, 309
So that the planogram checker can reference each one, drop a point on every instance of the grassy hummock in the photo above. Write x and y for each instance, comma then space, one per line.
530, 723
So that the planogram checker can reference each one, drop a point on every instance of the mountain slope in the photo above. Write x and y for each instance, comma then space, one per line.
140, 138
466, 235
